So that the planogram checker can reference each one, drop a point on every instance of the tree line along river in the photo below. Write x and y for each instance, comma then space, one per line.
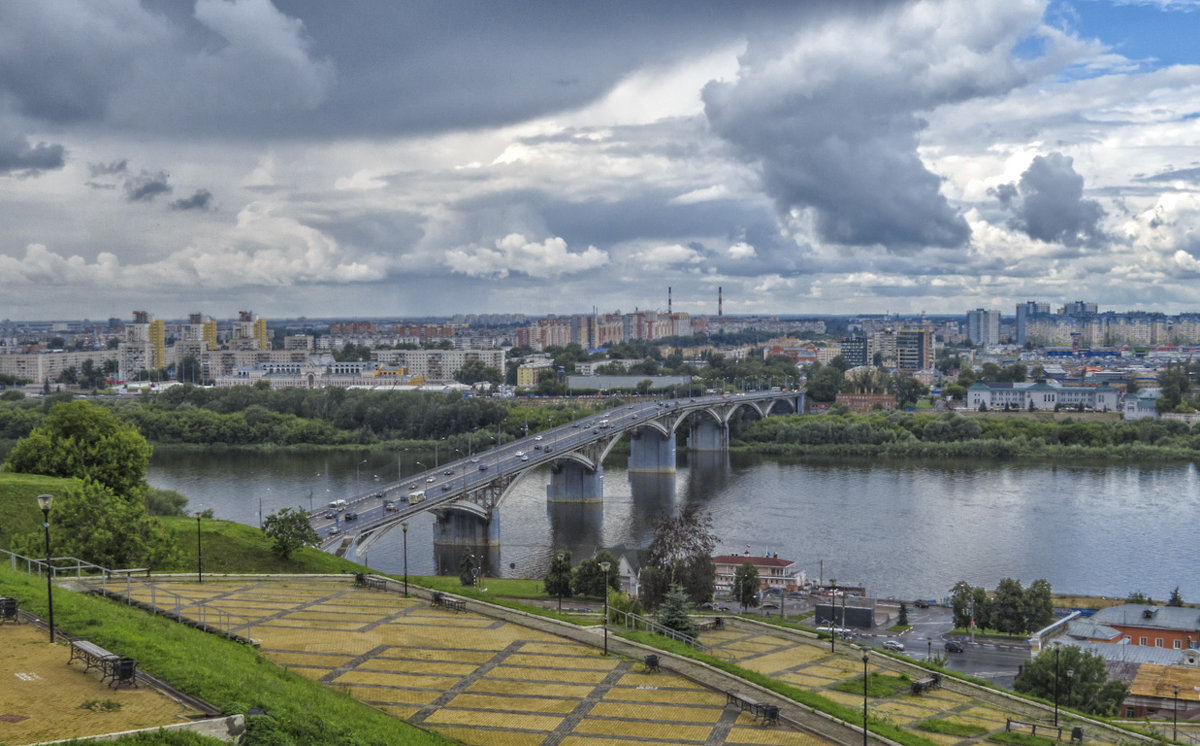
904, 530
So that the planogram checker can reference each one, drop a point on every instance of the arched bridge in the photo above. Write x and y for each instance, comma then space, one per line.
465, 495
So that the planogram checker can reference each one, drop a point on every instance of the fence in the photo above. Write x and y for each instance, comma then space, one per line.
633, 621
120, 585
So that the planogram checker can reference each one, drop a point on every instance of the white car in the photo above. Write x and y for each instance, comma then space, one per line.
519, 454
893, 645
537, 437
431, 480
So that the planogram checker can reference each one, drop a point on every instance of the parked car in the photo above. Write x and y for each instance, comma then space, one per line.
953, 646
921, 604
334, 530
893, 645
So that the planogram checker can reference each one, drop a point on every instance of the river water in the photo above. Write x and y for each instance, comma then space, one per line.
905, 530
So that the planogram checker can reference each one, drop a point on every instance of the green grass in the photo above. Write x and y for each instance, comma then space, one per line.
232, 676
453, 585
230, 547
962, 730
1022, 739
898, 628
879, 685
19, 513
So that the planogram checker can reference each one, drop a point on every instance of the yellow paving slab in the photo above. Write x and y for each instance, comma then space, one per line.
672, 732
475, 718
435, 667
776, 662
827, 671
492, 737
986, 713
527, 704
409, 699
552, 648
905, 710
772, 736
805, 680
940, 738
842, 698
536, 674
531, 688
947, 696
669, 696
576, 662
634, 679
659, 711
395, 679
402, 653
582, 740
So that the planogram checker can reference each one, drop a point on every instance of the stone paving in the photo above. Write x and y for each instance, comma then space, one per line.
473, 678
42, 698
809, 664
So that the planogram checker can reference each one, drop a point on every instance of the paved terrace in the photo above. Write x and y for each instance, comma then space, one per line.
476, 678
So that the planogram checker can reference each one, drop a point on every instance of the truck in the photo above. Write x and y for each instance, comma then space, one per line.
415, 498
338, 505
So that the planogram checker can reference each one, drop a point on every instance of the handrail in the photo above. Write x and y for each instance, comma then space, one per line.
632, 621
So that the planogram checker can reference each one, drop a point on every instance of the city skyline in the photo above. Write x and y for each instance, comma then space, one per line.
369, 160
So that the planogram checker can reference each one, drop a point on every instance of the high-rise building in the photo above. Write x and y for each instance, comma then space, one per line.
1079, 308
983, 327
1024, 311
914, 350
854, 351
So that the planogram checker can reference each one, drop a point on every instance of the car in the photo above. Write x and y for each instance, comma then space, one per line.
412, 486
547, 449
894, 645
431, 480
389, 506
351, 515
331, 513
519, 454
446, 487
475, 460
483, 467
574, 424
449, 472
595, 432
953, 646
524, 458
334, 530
921, 604
770, 606
537, 437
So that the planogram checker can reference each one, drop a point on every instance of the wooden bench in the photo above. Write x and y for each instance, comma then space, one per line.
921, 686
1010, 724
8, 610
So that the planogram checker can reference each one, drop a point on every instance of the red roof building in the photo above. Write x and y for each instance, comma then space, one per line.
772, 571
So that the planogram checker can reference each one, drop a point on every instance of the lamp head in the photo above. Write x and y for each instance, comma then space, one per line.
605, 565
44, 502
404, 527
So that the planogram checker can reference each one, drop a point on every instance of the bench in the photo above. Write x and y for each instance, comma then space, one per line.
768, 713
651, 662
923, 685
452, 604
8, 610
1010, 724
119, 669
710, 623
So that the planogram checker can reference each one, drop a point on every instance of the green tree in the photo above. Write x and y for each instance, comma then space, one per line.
165, 502
908, 390
558, 578
476, 371
1039, 604
960, 604
1087, 689
89, 522
680, 553
903, 620
1176, 599
590, 578
1008, 607
289, 530
746, 585
675, 612
823, 382
466, 569
86, 441
1137, 597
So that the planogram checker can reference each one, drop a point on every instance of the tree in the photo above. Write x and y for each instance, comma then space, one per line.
590, 578
1039, 604
466, 569
746, 585
908, 390
91, 523
903, 620
289, 530
675, 612
86, 441
1176, 599
1137, 597
1087, 689
680, 553
558, 577
476, 371
1008, 607
960, 604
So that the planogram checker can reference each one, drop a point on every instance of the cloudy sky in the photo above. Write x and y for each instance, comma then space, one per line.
365, 159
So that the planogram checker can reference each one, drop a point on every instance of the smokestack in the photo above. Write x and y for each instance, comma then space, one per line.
668, 300
719, 302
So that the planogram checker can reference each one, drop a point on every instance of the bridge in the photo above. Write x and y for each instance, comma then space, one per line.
465, 495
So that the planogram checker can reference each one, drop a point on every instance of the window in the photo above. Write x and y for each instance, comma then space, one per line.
1130, 712
1141, 641
1178, 644
1158, 642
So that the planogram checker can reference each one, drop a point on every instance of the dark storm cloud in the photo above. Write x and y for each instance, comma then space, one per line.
1048, 203
198, 201
832, 117
146, 186
18, 156
108, 169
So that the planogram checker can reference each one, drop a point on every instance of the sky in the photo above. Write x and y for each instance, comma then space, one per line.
365, 159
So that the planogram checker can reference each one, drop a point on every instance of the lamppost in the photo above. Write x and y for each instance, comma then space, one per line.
199, 554
358, 475
865, 657
1175, 716
44, 502
1056, 647
604, 566
404, 533
558, 581
833, 616
1070, 688
929, 656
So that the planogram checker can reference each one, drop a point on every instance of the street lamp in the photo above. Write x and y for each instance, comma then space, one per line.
1175, 716
358, 475
1056, 647
558, 580
833, 616
604, 566
199, 555
865, 657
1070, 688
44, 502
404, 532
929, 656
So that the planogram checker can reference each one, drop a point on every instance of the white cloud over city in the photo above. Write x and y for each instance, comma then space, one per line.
369, 159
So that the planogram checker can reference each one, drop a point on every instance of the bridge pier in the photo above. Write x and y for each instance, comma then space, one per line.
650, 450
465, 528
571, 481
708, 435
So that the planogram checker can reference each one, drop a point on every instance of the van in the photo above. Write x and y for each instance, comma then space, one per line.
415, 498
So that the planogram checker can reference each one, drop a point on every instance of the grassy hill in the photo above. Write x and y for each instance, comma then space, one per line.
19, 513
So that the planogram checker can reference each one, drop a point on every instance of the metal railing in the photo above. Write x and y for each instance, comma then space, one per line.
632, 621
161, 601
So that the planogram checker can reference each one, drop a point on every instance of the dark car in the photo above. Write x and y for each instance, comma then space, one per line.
446, 487
954, 647
449, 472
351, 515
331, 513
483, 467
921, 604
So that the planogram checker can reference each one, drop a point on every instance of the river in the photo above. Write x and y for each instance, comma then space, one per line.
904, 530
